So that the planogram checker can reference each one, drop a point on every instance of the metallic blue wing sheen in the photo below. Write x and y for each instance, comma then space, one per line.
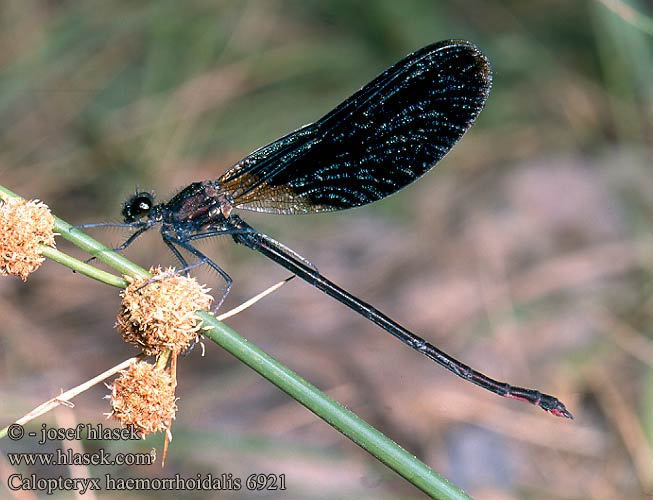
385, 136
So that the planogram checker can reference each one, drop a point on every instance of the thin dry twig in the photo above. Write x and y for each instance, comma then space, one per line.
65, 397
253, 300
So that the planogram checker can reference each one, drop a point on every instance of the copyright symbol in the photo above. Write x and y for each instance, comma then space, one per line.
15, 432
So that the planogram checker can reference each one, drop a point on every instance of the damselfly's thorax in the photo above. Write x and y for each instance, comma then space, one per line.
198, 204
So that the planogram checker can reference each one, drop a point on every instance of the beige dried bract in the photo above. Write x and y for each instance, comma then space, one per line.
144, 396
158, 313
23, 226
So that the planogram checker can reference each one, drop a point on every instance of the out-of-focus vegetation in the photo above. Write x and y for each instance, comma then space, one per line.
526, 253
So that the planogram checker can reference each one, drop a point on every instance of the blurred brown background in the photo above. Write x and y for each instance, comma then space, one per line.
526, 253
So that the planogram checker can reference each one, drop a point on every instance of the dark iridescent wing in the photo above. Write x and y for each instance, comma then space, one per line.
382, 138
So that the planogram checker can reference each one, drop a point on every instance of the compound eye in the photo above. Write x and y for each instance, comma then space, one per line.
137, 207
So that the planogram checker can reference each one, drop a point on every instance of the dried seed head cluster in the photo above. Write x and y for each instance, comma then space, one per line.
159, 313
23, 225
144, 396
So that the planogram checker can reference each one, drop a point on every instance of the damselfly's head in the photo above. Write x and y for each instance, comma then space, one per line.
138, 207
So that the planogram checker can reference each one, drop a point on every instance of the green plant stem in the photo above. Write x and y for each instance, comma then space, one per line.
88, 244
82, 267
98, 250
339, 417
342, 419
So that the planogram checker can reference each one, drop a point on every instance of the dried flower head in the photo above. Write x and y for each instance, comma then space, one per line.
23, 226
159, 313
144, 396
